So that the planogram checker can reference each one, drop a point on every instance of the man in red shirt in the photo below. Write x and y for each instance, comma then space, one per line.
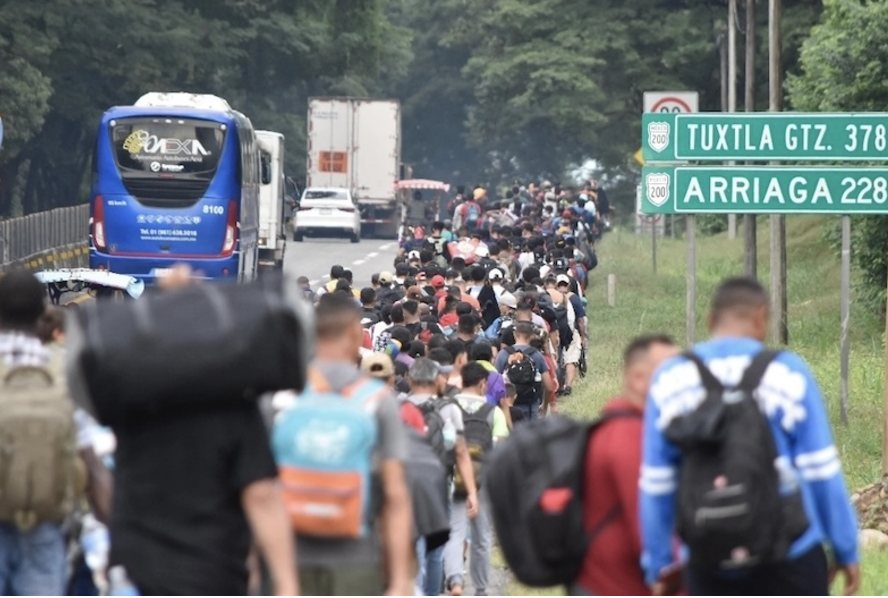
613, 461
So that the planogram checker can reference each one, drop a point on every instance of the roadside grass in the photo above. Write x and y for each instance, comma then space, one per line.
648, 303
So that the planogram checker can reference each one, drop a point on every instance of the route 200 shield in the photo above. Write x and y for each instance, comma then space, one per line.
657, 188
658, 136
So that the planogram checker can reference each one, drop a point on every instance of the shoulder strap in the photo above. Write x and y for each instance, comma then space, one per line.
752, 376
364, 388
710, 382
318, 381
510, 349
484, 410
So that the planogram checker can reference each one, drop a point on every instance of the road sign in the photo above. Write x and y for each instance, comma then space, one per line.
638, 157
719, 136
671, 101
764, 190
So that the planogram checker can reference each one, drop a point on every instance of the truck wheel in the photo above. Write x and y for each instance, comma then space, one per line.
297, 236
355, 238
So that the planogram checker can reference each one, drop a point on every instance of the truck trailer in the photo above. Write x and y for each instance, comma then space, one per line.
272, 207
355, 144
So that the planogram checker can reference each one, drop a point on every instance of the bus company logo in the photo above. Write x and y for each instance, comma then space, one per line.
141, 141
155, 167
657, 188
658, 136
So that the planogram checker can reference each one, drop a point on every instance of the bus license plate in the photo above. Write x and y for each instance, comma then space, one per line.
326, 211
161, 272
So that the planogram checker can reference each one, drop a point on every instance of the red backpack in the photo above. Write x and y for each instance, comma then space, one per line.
412, 416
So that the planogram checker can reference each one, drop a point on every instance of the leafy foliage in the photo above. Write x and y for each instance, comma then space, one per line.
491, 90
844, 67
61, 67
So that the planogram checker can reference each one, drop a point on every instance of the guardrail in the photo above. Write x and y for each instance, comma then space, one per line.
55, 238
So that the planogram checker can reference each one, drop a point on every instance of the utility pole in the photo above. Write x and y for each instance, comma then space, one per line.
779, 325
750, 232
723, 70
732, 88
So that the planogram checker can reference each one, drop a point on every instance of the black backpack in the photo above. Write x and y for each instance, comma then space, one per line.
535, 479
479, 442
142, 358
565, 332
523, 374
732, 512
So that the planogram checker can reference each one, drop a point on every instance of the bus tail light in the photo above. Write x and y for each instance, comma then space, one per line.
349, 210
98, 218
230, 230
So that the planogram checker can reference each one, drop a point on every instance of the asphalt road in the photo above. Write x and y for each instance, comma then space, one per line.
314, 258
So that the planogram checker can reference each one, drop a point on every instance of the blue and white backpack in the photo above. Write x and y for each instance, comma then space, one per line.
323, 444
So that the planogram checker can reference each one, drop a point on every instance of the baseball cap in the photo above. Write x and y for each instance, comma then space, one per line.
377, 365
495, 274
437, 281
509, 300
413, 255
386, 277
562, 279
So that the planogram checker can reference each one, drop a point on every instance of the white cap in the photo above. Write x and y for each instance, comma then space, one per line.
495, 274
509, 300
413, 255
562, 278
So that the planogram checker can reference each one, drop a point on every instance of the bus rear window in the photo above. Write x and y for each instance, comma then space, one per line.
165, 146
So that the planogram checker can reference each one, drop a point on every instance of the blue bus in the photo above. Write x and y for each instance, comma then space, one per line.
175, 180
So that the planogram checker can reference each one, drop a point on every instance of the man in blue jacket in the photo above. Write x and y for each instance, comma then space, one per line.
790, 397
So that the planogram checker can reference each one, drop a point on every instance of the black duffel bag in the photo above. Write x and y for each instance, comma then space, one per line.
195, 346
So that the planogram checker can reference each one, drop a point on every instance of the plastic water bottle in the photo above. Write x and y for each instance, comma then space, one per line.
120, 584
95, 542
449, 433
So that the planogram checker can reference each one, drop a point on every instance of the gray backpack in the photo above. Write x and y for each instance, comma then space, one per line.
41, 473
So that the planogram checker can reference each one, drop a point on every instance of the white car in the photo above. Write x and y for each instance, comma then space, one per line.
326, 212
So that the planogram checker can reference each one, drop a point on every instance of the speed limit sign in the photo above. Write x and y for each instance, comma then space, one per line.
671, 101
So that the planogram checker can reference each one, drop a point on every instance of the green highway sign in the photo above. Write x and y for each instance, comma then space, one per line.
763, 190
721, 136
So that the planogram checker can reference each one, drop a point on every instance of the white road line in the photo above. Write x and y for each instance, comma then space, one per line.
385, 247
326, 276
313, 282
358, 262
373, 254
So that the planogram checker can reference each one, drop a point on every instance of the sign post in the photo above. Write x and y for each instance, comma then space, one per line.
763, 136
669, 189
670, 103
764, 190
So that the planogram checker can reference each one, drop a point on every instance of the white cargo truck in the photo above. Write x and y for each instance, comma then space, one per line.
272, 205
355, 143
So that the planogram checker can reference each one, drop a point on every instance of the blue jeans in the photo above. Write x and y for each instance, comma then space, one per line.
82, 582
531, 411
32, 563
430, 580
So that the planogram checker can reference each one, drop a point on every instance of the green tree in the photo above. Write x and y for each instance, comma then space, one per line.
844, 68
63, 62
